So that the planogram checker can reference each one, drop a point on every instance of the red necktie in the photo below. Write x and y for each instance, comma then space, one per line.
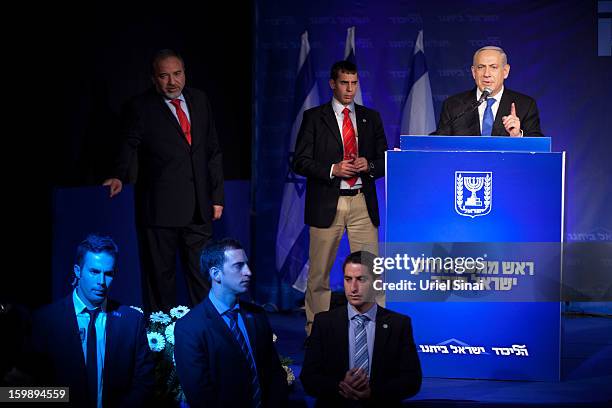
350, 142
185, 125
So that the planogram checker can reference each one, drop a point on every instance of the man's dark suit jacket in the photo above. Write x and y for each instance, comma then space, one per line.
319, 145
174, 179
57, 355
211, 366
395, 366
469, 124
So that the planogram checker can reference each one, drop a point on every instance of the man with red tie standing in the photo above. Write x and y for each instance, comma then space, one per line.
340, 149
179, 190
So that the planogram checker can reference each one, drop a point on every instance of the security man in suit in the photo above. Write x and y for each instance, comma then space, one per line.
361, 355
340, 150
225, 356
89, 343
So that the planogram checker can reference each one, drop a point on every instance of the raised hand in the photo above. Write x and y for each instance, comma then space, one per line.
512, 123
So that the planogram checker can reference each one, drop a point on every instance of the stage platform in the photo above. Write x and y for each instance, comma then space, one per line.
586, 367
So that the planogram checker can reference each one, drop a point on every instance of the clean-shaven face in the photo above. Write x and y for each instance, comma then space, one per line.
489, 71
95, 277
358, 285
344, 87
236, 275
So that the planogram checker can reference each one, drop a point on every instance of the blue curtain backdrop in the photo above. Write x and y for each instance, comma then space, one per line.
553, 52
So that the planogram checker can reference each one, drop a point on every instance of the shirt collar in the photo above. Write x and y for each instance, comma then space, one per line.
371, 313
180, 97
80, 306
221, 308
338, 107
496, 97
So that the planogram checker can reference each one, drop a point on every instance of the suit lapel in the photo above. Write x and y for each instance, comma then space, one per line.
330, 120
193, 119
215, 319
251, 328
112, 340
72, 343
362, 121
502, 110
163, 106
473, 118
341, 336
381, 337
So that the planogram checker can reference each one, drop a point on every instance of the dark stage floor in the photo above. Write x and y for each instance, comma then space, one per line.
586, 365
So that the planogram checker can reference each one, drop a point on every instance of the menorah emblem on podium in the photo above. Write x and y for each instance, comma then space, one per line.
479, 186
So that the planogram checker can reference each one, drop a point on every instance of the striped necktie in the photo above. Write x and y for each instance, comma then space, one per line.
256, 389
361, 343
349, 140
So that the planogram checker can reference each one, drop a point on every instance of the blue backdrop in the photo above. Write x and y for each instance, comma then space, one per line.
552, 48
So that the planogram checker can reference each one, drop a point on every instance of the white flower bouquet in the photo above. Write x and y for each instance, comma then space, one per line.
160, 333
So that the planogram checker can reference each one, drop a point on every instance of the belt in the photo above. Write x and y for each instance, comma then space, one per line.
347, 192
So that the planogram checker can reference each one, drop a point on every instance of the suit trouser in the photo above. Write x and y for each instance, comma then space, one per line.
158, 250
352, 215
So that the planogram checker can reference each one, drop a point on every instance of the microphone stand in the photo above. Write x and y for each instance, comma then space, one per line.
472, 107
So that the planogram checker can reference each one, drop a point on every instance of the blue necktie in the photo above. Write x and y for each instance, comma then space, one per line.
487, 119
361, 343
256, 389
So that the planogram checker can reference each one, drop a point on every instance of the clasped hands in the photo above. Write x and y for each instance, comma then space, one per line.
351, 167
355, 385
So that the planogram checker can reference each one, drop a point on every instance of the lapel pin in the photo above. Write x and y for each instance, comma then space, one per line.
385, 326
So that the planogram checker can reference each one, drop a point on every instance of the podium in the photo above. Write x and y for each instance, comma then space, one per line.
472, 253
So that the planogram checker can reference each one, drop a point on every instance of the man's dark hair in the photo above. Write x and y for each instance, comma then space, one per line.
162, 55
213, 254
364, 258
96, 244
346, 67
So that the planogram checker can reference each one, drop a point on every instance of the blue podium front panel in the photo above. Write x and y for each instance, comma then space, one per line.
498, 315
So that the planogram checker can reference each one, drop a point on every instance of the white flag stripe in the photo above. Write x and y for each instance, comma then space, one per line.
421, 113
291, 251
418, 116
293, 205
349, 46
300, 283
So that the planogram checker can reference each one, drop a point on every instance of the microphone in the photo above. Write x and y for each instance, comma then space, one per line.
485, 94
483, 97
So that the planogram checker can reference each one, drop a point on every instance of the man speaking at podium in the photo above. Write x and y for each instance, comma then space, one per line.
490, 109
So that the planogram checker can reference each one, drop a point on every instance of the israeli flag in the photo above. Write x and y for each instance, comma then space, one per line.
292, 235
349, 55
418, 113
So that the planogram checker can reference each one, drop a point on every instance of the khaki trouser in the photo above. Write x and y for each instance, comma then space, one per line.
352, 215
